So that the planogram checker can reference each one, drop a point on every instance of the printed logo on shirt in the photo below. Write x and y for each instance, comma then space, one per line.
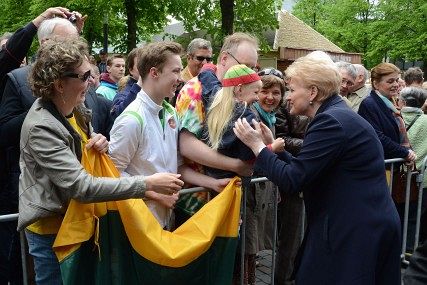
172, 123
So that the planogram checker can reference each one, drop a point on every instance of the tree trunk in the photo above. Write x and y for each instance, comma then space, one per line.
89, 36
227, 16
131, 24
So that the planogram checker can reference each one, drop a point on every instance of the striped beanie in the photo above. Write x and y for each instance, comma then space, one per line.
239, 74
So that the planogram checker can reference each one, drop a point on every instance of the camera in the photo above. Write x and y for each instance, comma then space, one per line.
72, 18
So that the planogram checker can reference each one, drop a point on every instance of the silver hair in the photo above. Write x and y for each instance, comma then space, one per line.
320, 55
46, 28
413, 96
351, 70
198, 43
361, 69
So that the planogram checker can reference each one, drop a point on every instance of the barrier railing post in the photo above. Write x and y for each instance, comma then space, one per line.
273, 251
245, 187
406, 214
391, 177
23, 258
420, 183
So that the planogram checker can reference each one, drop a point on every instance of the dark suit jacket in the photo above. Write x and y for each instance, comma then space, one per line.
353, 230
375, 111
15, 51
16, 101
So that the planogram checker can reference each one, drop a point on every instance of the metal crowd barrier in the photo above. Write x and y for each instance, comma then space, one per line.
419, 173
246, 184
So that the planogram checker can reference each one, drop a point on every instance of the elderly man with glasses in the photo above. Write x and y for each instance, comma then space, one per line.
348, 77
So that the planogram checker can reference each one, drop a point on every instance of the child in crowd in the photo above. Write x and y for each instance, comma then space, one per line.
240, 90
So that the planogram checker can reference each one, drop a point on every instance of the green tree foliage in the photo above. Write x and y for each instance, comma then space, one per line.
133, 21
251, 16
378, 29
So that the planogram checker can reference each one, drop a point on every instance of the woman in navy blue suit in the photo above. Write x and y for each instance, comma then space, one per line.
380, 111
353, 230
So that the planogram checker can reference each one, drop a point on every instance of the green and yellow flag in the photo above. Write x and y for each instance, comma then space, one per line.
122, 243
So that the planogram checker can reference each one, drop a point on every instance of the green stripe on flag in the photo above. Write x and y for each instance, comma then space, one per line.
119, 263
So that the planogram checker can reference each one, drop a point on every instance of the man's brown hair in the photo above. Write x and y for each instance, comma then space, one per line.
113, 57
156, 55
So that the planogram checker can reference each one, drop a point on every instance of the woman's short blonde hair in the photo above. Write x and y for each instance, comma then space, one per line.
319, 73
54, 58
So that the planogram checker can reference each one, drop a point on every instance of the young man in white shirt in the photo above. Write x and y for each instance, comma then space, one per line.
144, 138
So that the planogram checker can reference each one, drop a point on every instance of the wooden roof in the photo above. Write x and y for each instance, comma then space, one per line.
294, 33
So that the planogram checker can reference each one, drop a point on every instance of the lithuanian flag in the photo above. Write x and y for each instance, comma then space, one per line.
122, 243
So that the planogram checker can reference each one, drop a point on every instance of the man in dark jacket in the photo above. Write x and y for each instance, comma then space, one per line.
16, 48
16, 100
124, 97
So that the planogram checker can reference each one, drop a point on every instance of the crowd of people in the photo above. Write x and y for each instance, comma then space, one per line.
317, 130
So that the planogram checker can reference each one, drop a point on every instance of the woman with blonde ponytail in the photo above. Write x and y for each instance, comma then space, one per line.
240, 88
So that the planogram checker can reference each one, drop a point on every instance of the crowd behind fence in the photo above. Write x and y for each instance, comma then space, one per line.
419, 178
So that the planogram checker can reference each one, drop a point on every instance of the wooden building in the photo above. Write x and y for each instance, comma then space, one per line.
294, 39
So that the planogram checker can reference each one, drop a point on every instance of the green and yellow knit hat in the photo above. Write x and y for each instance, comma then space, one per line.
239, 74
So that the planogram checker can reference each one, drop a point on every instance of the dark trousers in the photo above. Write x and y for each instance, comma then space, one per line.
10, 254
416, 273
290, 222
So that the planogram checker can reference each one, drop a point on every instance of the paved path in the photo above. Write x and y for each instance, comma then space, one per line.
263, 270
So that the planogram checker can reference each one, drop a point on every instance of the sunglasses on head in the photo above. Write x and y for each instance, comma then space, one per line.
271, 71
83, 77
202, 58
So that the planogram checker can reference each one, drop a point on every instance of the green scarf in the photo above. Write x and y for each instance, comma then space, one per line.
268, 117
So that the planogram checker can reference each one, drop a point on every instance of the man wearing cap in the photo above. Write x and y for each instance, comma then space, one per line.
102, 65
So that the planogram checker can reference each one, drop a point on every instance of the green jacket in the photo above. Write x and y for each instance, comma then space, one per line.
417, 134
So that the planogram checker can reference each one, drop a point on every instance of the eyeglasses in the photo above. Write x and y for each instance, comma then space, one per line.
271, 71
202, 58
347, 82
251, 67
83, 77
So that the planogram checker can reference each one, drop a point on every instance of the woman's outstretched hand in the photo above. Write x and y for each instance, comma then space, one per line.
164, 183
251, 137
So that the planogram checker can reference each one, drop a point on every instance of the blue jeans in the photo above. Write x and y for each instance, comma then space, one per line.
46, 264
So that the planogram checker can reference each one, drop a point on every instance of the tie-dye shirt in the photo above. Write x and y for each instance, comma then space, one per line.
191, 110
190, 107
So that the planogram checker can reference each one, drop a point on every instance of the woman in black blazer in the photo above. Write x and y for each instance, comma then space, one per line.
353, 230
